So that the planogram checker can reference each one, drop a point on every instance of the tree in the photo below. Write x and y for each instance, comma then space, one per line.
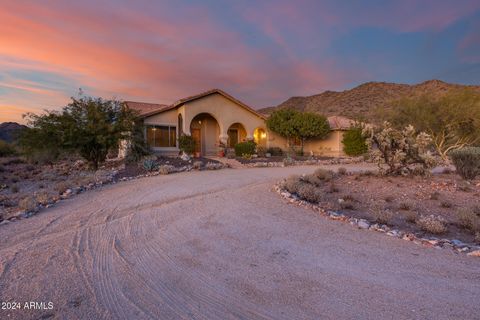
308, 125
354, 143
453, 121
291, 123
89, 126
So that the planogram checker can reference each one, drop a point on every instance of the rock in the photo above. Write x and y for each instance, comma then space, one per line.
457, 243
4, 222
363, 224
475, 253
340, 200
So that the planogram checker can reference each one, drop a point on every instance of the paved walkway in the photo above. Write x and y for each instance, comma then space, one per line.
221, 245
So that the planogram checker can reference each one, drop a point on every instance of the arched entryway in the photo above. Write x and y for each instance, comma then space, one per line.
205, 131
260, 137
236, 133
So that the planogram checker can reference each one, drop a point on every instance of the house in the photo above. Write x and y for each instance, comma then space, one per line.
215, 117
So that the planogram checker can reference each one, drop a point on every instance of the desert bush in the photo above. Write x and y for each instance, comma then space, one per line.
150, 164
468, 219
42, 197
342, 171
309, 193
186, 144
410, 216
14, 188
405, 206
245, 148
324, 174
349, 197
354, 143
61, 187
6, 149
166, 169
467, 162
28, 204
332, 188
312, 179
381, 215
347, 205
292, 183
401, 151
275, 151
432, 224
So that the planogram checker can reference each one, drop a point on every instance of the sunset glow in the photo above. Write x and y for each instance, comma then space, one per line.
262, 52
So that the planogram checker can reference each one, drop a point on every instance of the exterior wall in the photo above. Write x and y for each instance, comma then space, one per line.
330, 146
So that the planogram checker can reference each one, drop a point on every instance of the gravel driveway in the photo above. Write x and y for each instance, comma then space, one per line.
221, 245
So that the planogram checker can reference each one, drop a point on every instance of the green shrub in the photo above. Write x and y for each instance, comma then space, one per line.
354, 143
275, 151
150, 164
6, 149
467, 162
245, 148
186, 144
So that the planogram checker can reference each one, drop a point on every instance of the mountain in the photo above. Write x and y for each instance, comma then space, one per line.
364, 100
10, 130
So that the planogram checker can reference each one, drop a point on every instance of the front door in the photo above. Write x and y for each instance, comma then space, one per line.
196, 135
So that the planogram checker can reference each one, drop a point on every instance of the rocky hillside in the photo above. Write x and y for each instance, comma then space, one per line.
364, 100
9, 131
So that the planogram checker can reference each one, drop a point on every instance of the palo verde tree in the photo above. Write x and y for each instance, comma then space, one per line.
354, 142
89, 126
453, 120
291, 123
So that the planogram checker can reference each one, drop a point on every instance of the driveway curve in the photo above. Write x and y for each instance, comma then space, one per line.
221, 245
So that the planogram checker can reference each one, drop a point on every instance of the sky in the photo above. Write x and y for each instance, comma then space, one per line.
261, 52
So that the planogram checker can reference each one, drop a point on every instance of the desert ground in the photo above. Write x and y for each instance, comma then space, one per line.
221, 245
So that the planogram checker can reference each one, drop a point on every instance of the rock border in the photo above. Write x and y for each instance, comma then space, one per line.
309, 162
456, 245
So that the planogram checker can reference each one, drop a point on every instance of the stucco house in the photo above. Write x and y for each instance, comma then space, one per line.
215, 117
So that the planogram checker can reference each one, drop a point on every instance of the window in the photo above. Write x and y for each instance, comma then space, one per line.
162, 136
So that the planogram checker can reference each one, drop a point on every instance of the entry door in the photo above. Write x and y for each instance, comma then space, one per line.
196, 135
232, 137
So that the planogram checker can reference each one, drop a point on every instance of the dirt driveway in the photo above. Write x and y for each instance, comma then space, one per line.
221, 245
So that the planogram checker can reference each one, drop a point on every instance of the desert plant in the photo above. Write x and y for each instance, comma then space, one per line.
166, 169
6, 149
401, 151
245, 148
186, 143
347, 205
446, 204
150, 164
309, 193
405, 206
42, 197
292, 184
137, 147
435, 195
61, 187
342, 171
381, 215
467, 162
354, 142
28, 204
312, 179
324, 174
433, 224
468, 219
410, 216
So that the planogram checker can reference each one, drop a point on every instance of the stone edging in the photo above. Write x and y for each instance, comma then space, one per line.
310, 162
456, 245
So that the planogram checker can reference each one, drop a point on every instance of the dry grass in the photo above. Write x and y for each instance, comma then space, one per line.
61, 187
28, 204
342, 171
446, 204
42, 197
324, 174
410, 216
432, 224
382, 215
468, 219
292, 184
405, 206
309, 193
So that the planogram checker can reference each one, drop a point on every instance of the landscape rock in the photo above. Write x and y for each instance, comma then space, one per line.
363, 224
475, 253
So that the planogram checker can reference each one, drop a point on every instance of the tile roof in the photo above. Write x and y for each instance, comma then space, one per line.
146, 109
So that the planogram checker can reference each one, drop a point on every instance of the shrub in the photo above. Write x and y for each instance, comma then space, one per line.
309, 193
410, 216
28, 204
61, 187
342, 171
401, 151
347, 205
467, 162
275, 151
432, 224
354, 143
166, 169
42, 197
186, 144
15, 188
446, 204
468, 219
405, 206
381, 215
245, 148
150, 165
312, 179
324, 174
6, 149
292, 184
